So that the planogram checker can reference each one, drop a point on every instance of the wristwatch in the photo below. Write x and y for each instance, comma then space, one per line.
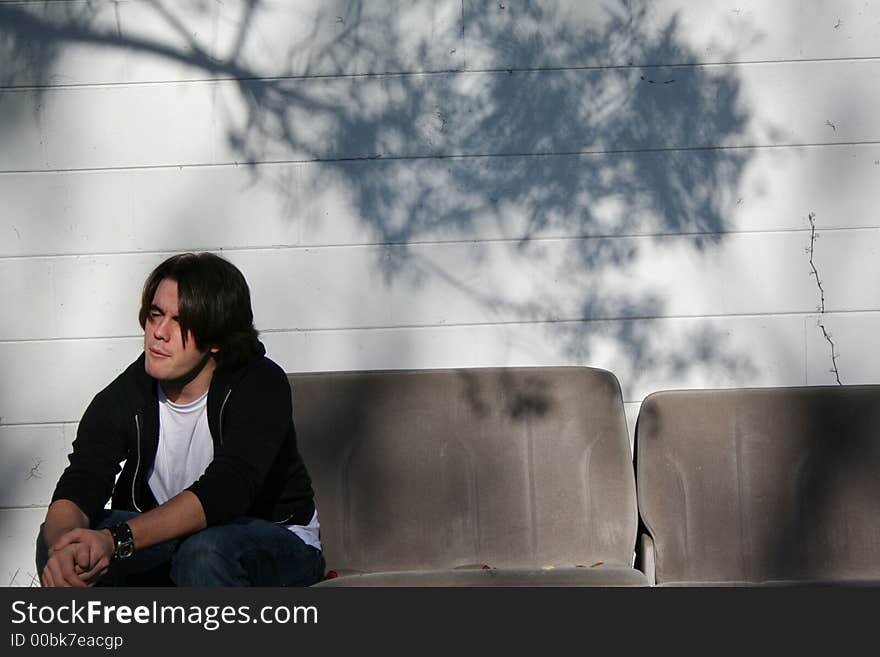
122, 539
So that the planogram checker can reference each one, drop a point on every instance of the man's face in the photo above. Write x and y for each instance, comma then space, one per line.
167, 358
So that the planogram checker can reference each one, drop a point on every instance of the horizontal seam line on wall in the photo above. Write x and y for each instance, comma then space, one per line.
441, 72
422, 327
30, 507
624, 401
450, 156
49, 425
275, 248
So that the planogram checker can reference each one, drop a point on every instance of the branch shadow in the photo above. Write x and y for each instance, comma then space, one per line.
562, 170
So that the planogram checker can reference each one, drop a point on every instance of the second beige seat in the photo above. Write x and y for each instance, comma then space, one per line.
763, 486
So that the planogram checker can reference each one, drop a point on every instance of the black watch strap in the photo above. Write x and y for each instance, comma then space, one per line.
122, 539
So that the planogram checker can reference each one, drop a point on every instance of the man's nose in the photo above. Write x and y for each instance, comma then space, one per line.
161, 329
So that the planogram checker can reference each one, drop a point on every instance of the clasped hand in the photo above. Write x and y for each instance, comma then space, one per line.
79, 558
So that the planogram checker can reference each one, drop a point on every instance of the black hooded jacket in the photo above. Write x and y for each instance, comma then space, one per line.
256, 470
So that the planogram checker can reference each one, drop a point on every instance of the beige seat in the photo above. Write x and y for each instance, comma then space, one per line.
760, 486
482, 477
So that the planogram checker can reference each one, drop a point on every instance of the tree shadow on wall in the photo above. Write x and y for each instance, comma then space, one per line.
567, 178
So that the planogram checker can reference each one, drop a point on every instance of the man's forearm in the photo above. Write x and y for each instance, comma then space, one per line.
180, 516
61, 517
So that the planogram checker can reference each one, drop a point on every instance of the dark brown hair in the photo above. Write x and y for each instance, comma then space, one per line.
214, 305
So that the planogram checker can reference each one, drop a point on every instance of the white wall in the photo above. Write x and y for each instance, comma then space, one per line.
437, 184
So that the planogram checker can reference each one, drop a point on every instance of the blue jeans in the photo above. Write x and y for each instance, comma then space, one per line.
246, 552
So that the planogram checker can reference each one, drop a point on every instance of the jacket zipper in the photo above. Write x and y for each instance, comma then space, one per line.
137, 464
222, 408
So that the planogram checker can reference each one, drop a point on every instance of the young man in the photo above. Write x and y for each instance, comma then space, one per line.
214, 491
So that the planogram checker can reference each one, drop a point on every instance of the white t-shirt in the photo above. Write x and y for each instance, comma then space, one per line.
311, 533
185, 446
185, 451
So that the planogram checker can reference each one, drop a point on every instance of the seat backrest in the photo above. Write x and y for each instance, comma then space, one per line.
758, 485
435, 469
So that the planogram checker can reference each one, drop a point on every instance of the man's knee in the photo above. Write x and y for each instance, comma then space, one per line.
200, 560
201, 546
42, 550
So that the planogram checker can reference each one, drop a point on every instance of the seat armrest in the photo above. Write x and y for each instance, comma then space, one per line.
646, 558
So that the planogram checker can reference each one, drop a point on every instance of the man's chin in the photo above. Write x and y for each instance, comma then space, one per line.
152, 370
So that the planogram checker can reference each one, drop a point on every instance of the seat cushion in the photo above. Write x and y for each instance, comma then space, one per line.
599, 576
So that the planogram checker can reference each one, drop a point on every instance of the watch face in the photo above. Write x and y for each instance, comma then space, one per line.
124, 541
125, 549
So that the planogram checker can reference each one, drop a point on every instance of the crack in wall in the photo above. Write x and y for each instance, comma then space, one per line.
34, 582
811, 251
35, 471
